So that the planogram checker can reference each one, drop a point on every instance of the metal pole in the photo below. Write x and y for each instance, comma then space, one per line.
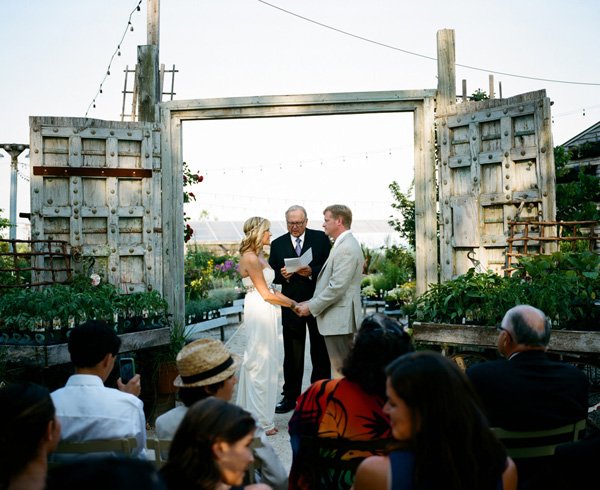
14, 150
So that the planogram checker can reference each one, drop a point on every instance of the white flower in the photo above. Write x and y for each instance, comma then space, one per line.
95, 279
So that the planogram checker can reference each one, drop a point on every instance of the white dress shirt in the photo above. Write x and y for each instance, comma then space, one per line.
293, 238
88, 410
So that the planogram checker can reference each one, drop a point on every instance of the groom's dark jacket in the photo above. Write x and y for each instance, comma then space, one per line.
299, 288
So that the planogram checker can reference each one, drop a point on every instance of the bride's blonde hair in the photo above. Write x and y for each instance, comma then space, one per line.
254, 228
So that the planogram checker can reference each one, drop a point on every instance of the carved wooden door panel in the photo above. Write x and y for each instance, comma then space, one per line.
96, 184
496, 161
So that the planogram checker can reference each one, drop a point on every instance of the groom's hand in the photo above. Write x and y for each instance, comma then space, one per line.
302, 309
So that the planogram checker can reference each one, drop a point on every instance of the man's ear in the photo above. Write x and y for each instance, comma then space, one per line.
105, 362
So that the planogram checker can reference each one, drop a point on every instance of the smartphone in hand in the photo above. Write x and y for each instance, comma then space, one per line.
126, 369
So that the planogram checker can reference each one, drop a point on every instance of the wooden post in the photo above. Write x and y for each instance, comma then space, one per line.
148, 82
446, 96
153, 22
464, 90
425, 196
491, 86
148, 74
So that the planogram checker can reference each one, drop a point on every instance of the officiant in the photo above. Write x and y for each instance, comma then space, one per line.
299, 286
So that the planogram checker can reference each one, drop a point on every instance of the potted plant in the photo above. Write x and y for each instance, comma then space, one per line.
397, 297
166, 367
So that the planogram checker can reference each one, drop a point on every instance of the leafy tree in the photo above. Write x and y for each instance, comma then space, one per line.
405, 204
576, 191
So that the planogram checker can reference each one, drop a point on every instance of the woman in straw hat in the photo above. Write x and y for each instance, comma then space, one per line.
206, 368
211, 448
257, 391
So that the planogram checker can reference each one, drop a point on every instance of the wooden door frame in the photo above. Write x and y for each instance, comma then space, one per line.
420, 102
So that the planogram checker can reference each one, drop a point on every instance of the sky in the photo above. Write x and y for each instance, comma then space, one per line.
54, 55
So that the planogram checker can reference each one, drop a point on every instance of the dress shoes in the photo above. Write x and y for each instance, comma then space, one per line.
285, 405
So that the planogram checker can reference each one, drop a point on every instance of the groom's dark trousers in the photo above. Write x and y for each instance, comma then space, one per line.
300, 289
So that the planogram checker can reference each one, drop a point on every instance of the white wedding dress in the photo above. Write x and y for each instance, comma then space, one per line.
257, 387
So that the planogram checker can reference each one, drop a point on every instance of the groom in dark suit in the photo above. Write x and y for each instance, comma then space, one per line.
299, 286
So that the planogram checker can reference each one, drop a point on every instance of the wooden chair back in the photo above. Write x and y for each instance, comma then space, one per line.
540, 443
161, 450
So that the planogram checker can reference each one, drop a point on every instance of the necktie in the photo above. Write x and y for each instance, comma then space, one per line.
298, 246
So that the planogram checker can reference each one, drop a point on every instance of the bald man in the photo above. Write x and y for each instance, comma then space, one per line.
528, 390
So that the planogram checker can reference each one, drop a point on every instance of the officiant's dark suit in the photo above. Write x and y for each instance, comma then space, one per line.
299, 288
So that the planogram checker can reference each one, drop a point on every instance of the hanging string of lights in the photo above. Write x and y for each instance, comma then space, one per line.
288, 165
117, 52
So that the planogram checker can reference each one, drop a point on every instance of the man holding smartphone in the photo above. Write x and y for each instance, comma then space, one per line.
88, 410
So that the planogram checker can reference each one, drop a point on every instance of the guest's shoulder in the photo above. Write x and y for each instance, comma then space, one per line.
486, 367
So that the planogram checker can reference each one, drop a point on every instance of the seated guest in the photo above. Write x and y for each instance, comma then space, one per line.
529, 391
206, 368
105, 473
443, 438
339, 422
29, 431
211, 448
87, 409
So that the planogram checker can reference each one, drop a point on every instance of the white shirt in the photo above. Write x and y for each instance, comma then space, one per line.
88, 410
168, 422
294, 240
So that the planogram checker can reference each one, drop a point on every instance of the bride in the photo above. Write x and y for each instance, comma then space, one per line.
257, 387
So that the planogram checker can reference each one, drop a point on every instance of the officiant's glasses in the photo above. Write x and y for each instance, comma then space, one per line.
296, 223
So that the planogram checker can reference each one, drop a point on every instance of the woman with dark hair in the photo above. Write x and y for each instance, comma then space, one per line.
444, 438
339, 422
29, 431
211, 448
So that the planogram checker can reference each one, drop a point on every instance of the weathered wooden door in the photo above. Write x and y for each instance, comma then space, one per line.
496, 161
96, 185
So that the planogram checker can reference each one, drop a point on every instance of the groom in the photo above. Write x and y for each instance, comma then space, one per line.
336, 302
299, 286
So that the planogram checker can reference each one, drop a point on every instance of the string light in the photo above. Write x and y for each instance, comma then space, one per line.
117, 52
303, 163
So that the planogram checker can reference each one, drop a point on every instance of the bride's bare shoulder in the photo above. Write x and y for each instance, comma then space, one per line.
249, 259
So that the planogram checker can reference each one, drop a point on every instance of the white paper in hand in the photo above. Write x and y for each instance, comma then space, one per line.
294, 263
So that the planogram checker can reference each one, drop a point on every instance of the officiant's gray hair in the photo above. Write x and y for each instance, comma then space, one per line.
296, 207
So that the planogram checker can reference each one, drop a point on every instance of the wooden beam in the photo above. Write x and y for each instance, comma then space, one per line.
153, 22
446, 71
425, 197
148, 83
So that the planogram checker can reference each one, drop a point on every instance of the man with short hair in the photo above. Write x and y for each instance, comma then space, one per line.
299, 286
87, 410
529, 391
336, 302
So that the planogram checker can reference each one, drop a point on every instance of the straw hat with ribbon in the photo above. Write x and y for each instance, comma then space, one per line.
204, 362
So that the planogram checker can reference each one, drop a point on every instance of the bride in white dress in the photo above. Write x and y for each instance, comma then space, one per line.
257, 387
